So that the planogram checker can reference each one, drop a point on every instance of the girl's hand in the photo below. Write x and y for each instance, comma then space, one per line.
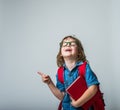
45, 78
73, 102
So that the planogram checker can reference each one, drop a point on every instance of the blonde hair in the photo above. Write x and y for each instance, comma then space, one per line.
81, 53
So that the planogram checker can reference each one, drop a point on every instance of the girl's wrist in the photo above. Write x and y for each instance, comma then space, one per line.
49, 82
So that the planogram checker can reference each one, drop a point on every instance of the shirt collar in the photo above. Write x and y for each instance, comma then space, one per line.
77, 64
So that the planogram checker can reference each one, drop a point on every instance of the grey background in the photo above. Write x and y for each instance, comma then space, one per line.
30, 31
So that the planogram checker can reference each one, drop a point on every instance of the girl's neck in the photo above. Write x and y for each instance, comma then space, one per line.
70, 63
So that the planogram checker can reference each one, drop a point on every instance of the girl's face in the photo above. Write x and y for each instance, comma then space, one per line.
69, 48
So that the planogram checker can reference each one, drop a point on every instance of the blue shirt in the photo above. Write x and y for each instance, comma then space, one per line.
69, 77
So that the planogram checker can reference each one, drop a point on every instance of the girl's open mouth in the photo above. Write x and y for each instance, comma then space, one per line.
68, 50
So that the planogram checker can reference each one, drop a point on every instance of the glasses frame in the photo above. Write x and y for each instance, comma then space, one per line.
71, 43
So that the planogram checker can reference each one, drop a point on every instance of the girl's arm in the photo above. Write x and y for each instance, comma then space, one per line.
55, 90
46, 79
88, 94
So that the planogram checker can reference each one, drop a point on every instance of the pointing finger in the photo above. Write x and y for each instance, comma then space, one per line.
40, 73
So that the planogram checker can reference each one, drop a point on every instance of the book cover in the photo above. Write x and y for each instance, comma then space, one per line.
77, 88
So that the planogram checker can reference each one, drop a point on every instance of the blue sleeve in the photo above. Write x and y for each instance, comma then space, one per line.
59, 85
91, 78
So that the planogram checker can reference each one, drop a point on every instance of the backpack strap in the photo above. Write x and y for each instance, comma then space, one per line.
61, 74
82, 69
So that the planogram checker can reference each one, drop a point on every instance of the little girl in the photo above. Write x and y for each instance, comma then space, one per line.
71, 55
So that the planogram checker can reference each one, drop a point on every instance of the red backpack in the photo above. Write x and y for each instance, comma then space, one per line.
96, 101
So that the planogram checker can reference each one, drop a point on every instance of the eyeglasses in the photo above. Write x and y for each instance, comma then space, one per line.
72, 43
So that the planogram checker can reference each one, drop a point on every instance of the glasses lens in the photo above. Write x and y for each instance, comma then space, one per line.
73, 43
65, 44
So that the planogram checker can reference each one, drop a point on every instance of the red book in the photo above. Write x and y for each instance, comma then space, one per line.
77, 88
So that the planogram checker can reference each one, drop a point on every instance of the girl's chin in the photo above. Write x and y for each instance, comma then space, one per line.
67, 56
